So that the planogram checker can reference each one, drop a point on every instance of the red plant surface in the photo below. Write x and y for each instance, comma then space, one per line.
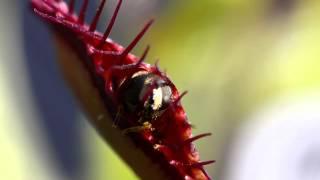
140, 99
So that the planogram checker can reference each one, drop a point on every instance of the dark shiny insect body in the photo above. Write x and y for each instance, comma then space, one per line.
145, 95
140, 98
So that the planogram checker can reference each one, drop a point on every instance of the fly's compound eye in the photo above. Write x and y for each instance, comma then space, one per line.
146, 94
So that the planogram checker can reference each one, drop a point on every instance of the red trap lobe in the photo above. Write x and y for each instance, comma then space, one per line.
140, 98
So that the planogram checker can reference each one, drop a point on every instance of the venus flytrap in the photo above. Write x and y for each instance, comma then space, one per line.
133, 105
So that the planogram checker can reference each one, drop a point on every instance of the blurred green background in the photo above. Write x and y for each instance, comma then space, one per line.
236, 58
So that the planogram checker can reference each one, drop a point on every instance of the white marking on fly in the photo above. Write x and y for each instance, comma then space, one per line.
157, 98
